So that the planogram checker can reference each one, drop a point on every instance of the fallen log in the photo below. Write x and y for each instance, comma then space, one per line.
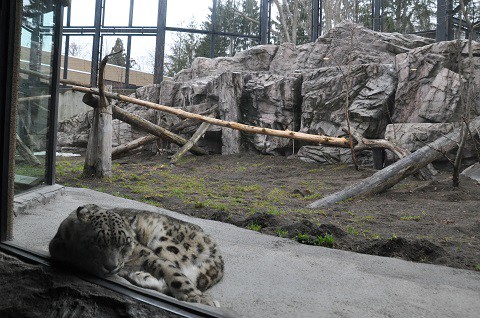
134, 144
319, 139
143, 124
196, 136
391, 175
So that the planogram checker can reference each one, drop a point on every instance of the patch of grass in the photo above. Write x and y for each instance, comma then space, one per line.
352, 230
313, 196
393, 237
281, 232
254, 227
249, 188
376, 236
326, 240
477, 267
411, 218
304, 239
274, 211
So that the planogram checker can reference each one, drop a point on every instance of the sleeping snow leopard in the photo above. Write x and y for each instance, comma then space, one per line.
148, 249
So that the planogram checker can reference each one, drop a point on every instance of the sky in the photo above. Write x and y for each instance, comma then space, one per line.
179, 14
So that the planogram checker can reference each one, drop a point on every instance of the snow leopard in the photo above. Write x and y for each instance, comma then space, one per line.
148, 249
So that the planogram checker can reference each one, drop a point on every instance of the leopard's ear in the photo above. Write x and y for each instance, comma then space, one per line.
84, 212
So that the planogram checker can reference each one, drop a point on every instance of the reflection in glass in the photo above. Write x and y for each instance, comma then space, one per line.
34, 94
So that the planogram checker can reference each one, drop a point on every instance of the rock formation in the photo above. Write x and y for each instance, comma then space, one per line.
393, 79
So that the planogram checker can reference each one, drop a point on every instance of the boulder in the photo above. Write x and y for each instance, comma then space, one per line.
372, 87
429, 81
414, 136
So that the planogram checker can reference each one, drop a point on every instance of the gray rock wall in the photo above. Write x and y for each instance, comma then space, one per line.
394, 79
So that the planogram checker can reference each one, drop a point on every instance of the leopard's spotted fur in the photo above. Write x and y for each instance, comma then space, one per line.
148, 249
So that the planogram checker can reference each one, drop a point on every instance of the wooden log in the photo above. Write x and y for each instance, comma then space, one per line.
144, 125
134, 144
319, 139
196, 136
391, 175
25, 152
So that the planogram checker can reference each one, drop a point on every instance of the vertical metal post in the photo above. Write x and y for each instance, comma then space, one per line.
96, 43
67, 44
264, 21
129, 46
214, 29
320, 17
444, 20
315, 16
53, 107
160, 43
10, 19
376, 8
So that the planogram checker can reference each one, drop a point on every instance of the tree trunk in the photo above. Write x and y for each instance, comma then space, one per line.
391, 175
98, 159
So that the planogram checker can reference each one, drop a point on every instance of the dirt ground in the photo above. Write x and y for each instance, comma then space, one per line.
420, 221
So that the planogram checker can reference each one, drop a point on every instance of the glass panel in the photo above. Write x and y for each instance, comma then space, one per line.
180, 13
115, 70
145, 13
408, 17
238, 16
280, 12
142, 60
83, 13
79, 58
116, 12
180, 50
34, 94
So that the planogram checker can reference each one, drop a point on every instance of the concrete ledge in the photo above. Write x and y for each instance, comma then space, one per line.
39, 196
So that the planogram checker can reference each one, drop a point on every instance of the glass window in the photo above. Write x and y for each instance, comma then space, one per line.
79, 58
116, 12
82, 13
115, 70
181, 13
238, 17
142, 60
145, 13
34, 93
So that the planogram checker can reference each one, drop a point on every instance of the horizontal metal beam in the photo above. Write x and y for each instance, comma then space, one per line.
147, 31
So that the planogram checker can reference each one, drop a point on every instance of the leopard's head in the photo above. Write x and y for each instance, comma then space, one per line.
94, 239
